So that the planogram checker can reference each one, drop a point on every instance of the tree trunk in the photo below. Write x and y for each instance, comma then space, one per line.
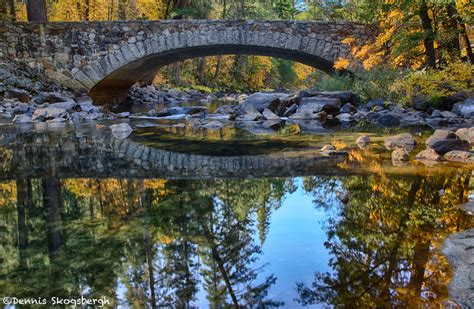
36, 10
4, 8
52, 202
87, 11
452, 45
177, 73
121, 10
12, 9
201, 67
218, 70
429, 36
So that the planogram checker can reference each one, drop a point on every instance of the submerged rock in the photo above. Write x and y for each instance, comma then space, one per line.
121, 130
404, 141
363, 141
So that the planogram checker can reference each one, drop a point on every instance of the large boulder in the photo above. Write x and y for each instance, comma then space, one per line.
421, 104
70, 106
19, 119
343, 96
464, 109
226, 109
466, 134
49, 113
348, 108
439, 135
403, 141
314, 105
19, 94
446, 145
50, 97
321, 116
247, 113
269, 115
172, 111
466, 157
400, 154
261, 100
389, 120
428, 155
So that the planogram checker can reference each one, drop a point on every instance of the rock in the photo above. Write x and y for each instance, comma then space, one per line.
439, 135
375, 102
447, 114
291, 110
308, 115
464, 109
428, 155
343, 96
466, 134
315, 105
345, 117
420, 103
50, 97
438, 122
446, 145
226, 109
436, 114
269, 115
363, 141
56, 120
404, 141
152, 112
123, 115
248, 113
121, 130
19, 94
171, 111
400, 154
389, 120
348, 108
19, 119
69, 106
48, 113
466, 157
261, 101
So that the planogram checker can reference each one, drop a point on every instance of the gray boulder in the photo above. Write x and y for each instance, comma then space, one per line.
466, 157
464, 109
226, 109
19, 119
348, 108
403, 141
400, 154
69, 106
343, 96
50, 97
269, 115
172, 111
466, 134
446, 145
439, 135
247, 113
428, 155
261, 100
321, 116
19, 94
389, 120
48, 113
331, 106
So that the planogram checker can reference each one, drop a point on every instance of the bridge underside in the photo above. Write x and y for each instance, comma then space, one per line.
114, 87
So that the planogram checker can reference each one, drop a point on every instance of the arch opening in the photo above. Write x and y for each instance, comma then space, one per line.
114, 87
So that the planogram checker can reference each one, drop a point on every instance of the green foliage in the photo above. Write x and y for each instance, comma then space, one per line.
335, 82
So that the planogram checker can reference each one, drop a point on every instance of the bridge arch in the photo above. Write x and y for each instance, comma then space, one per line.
106, 58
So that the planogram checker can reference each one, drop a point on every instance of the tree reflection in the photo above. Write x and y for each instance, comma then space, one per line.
386, 241
154, 243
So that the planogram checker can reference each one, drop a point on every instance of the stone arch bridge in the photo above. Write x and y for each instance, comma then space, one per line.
106, 58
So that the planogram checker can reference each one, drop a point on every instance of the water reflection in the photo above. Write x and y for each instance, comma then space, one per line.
189, 243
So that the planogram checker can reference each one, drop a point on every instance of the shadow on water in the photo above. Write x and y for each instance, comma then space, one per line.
204, 241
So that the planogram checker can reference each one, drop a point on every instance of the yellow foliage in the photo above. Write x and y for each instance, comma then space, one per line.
341, 64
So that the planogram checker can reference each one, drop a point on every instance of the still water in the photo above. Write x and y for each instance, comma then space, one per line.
148, 224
